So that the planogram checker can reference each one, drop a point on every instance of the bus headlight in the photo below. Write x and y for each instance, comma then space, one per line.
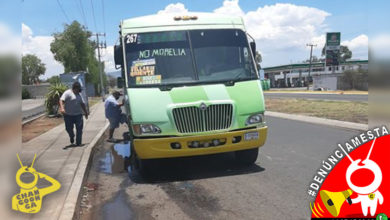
146, 129
255, 119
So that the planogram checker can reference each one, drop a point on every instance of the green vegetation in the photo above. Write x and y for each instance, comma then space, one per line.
356, 79
54, 80
76, 51
338, 110
258, 59
32, 68
93, 100
25, 94
345, 53
53, 98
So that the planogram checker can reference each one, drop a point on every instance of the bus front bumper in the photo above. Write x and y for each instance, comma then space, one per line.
154, 148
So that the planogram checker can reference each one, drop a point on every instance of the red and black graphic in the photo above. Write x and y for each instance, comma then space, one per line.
357, 187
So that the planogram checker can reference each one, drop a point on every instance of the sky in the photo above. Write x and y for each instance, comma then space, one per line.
281, 28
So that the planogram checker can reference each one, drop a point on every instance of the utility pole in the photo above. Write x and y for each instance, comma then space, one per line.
100, 46
311, 53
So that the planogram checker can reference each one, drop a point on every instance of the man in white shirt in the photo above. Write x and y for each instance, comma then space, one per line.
72, 107
114, 113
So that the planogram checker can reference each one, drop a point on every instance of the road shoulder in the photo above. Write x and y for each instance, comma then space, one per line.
316, 120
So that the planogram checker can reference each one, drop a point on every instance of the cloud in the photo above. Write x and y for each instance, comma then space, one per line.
10, 42
230, 8
40, 46
281, 30
108, 58
358, 46
357, 42
174, 9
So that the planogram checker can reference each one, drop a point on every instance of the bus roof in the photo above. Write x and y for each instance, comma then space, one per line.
166, 22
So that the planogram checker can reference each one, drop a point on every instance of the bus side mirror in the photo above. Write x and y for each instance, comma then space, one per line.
253, 48
120, 82
118, 55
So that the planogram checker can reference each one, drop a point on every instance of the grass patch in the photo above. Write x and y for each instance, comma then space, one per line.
93, 100
338, 110
347, 92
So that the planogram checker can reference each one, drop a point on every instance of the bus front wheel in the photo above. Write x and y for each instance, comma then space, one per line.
247, 157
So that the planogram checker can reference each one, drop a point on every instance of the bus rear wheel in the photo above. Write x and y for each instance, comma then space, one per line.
247, 157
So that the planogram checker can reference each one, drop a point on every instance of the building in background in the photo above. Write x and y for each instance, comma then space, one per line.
323, 77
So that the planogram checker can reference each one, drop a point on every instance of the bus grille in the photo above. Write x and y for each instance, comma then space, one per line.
193, 119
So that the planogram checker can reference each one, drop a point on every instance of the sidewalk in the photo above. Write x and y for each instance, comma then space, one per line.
59, 163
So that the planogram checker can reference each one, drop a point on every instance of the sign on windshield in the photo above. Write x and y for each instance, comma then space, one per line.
174, 57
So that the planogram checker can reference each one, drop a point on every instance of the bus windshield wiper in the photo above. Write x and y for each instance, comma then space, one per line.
238, 77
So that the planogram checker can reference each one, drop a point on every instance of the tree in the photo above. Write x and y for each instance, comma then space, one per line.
76, 52
72, 47
258, 59
314, 59
32, 68
355, 79
345, 53
54, 80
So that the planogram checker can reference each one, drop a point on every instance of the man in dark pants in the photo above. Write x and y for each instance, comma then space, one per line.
114, 114
72, 107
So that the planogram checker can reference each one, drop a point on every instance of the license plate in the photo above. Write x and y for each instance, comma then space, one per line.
251, 136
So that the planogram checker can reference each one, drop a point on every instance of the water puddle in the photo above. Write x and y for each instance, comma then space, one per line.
116, 160
118, 208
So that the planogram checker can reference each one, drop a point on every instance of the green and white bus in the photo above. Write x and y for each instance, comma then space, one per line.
191, 86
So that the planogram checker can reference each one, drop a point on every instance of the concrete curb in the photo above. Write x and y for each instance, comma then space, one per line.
28, 120
70, 205
322, 121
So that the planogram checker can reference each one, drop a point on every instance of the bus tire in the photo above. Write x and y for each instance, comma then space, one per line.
247, 157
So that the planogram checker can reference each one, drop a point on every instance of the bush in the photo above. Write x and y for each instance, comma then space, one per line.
355, 79
53, 98
25, 94
54, 80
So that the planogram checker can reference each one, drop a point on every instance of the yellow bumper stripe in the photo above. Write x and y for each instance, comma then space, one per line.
161, 147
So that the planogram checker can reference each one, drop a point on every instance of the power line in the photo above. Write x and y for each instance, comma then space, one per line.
93, 15
63, 11
83, 13
104, 18
100, 46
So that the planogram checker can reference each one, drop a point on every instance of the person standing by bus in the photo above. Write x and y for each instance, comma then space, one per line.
114, 114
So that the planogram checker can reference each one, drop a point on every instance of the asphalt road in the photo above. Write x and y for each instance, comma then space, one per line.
213, 187
334, 97
32, 107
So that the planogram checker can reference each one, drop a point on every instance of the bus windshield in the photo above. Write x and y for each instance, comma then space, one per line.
188, 57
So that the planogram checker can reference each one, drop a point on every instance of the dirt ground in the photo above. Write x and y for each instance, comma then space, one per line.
338, 110
39, 126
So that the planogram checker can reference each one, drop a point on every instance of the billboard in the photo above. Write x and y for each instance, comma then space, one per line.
332, 48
